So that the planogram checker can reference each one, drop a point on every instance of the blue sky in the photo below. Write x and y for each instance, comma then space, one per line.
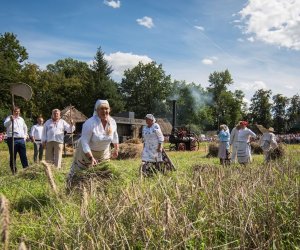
258, 41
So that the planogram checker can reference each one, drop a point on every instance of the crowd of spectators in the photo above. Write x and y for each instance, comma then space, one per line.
289, 138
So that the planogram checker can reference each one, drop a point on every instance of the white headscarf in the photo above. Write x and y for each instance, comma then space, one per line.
151, 117
98, 104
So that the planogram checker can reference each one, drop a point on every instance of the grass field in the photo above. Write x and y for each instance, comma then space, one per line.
201, 205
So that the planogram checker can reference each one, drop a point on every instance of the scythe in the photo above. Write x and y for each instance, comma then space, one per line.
22, 90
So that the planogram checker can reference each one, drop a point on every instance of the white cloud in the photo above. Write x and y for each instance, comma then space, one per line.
251, 39
112, 3
274, 22
121, 61
146, 21
250, 86
210, 60
199, 27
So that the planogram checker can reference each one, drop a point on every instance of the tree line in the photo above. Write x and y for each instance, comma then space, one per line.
146, 88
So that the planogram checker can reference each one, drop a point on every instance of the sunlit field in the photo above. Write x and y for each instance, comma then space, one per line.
201, 205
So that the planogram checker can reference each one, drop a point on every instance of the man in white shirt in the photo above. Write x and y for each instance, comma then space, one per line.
36, 137
17, 124
267, 143
53, 137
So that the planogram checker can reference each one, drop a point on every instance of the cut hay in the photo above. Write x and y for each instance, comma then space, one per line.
213, 149
35, 171
130, 150
100, 173
5, 221
134, 141
256, 148
278, 153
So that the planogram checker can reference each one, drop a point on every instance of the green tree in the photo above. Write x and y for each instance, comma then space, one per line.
71, 82
102, 86
12, 57
293, 111
146, 88
226, 107
279, 110
260, 108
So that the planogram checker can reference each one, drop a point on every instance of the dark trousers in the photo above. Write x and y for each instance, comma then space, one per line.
20, 148
38, 151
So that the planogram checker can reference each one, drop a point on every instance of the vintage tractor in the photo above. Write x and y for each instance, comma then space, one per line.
182, 139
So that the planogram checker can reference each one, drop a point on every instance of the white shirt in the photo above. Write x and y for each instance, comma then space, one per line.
36, 132
20, 128
268, 141
54, 131
97, 138
244, 135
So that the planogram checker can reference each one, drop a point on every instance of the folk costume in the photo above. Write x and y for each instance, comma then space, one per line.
20, 135
53, 138
267, 143
244, 150
95, 139
224, 137
152, 137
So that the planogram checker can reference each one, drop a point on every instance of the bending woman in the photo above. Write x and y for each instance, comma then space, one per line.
98, 132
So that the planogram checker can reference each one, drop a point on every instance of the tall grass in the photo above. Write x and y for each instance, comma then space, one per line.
202, 205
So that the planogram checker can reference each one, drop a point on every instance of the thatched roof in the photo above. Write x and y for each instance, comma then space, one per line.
70, 112
165, 125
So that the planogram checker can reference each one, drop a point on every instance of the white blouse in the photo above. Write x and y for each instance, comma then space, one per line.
152, 137
97, 138
245, 134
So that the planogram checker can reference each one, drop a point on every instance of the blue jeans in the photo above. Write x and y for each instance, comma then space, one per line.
20, 148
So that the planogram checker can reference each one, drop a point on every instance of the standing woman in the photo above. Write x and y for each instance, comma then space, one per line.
234, 142
224, 137
98, 132
244, 150
153, 141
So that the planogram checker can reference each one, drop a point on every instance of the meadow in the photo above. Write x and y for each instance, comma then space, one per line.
201, 205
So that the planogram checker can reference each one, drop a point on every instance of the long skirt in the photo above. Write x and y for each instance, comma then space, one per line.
81, 161
223, 150
243, 152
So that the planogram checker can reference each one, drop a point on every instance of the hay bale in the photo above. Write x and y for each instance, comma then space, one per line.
213, 149
134, 141
101, 172
256, 148
130, 150
278, 152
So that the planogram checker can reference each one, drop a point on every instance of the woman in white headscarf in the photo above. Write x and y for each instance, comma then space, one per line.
98, 132
153, 140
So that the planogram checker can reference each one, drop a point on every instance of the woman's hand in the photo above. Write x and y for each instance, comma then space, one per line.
93, 161
115, 153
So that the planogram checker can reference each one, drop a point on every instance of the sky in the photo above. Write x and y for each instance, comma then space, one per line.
258, 41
